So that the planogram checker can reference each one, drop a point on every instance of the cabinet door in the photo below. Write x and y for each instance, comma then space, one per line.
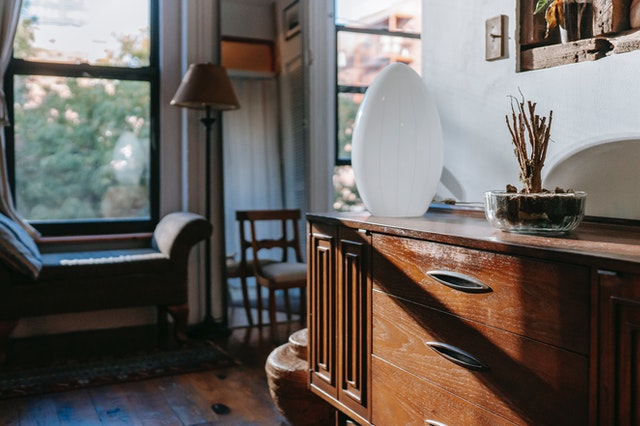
322, 309
339, 318
619, 345
354, 301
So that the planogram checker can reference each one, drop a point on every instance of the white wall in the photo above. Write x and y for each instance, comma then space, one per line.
593, 101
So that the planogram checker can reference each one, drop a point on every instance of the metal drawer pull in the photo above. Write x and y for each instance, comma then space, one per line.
458, 356
433, 423
460, 282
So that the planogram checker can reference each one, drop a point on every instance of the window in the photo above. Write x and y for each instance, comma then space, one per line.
368, 38
82, 89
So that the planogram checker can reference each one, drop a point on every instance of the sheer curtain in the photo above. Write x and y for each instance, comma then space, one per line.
9, 14
252, 153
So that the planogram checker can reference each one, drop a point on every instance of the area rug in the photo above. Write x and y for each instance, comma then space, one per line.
76, 374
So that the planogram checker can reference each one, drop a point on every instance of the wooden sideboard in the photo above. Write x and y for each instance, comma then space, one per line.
444, 320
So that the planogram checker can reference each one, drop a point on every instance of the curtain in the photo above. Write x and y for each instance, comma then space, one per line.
9, 14
252, 153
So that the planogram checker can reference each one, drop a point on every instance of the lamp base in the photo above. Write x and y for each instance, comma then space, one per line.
209, 328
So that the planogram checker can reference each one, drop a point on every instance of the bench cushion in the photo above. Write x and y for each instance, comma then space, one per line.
104, 263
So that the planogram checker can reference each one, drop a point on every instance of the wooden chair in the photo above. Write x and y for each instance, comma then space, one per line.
282, 274
243, 269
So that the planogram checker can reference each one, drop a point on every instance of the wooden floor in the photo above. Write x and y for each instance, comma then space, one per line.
176, 400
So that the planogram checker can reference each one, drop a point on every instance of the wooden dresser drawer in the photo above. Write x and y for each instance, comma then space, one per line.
523, 380
545, 301
400, 398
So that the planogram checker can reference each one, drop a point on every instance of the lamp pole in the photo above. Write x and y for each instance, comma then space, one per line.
209, 326
207, 86
208, 121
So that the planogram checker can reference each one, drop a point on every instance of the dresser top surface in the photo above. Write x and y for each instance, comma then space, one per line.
612, 245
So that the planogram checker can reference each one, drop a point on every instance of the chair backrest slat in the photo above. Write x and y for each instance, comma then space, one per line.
288, 240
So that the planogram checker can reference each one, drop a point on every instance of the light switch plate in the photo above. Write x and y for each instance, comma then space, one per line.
496, 38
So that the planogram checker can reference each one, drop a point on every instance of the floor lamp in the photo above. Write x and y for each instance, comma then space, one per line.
207, 87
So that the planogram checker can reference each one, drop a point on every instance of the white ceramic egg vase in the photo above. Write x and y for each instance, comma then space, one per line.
397, 149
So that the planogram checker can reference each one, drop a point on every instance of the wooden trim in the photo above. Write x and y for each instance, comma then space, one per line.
94, 238
579, 51
627, 41
239, 53
611, 16
563, 54
93, 242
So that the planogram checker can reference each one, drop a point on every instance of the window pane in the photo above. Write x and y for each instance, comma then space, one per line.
362, 56
346, 197
390, 15
97, 32
348, 104
81, 148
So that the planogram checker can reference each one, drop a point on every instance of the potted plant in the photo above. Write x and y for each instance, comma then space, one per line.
574, 18
533, 209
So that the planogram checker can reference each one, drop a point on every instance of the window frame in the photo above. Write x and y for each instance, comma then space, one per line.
150, 74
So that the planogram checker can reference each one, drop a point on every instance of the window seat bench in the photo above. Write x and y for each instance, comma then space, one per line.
76, 281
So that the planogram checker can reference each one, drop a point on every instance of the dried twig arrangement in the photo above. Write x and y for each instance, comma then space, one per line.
527, 125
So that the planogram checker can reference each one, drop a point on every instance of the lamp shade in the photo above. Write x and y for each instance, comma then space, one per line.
206, 85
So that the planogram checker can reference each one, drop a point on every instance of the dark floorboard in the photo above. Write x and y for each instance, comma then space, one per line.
181, 400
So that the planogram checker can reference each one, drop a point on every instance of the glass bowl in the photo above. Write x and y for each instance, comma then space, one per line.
544, 213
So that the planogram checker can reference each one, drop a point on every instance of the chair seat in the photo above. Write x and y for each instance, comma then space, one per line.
233, 267
284, 272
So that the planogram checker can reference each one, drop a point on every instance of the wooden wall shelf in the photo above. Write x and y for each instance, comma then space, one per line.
579, 51
611, 35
